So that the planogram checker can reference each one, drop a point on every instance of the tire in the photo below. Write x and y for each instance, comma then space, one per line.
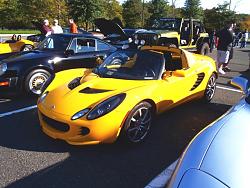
138, 123
204, 49
27, 47
210, 89
35, 80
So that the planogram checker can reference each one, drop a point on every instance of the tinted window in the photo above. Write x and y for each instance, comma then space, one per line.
80, 45
101, 46
54, 42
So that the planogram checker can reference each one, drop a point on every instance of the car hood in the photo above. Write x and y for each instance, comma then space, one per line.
90, 92
31, 55
108, 27
159, 32
228, 156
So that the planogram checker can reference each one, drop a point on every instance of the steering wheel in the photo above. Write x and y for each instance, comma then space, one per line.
149, 72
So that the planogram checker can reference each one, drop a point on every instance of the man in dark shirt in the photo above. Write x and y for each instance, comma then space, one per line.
224, 47
46, 29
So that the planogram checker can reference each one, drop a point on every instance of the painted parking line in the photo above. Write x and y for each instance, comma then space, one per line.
229, 89
17, 111
161, 180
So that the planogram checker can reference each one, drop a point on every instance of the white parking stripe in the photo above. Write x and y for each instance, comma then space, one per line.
17, 111
229, 89
161, 180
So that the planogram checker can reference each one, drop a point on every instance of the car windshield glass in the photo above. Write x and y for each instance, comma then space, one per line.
54, 42
167, 24
145, 65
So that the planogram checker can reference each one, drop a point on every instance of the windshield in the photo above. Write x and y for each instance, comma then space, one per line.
54, 42
172, 24
145, 65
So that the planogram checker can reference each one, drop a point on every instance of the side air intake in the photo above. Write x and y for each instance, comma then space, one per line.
200, 77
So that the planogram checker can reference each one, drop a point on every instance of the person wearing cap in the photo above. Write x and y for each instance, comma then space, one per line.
56, 28
46, 30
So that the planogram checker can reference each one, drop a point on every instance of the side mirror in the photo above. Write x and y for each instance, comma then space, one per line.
68, 53
166, 75
179, 73
241, 83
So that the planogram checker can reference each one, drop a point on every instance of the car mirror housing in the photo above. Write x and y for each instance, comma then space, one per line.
241, 83
166, 75
68, 53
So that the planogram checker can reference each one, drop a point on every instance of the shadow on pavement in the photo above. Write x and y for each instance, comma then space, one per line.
114, 165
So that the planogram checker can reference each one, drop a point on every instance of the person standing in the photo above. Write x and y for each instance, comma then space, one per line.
73, 27
224, 47
244, 39
46, 30
56, 28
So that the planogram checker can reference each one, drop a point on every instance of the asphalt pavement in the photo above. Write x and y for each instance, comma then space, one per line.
29, 158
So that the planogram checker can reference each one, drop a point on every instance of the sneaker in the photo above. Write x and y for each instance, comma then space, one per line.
226, 69
221, 71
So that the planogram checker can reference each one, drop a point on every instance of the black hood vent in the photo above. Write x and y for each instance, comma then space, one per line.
74, 83
89, 90
200, 77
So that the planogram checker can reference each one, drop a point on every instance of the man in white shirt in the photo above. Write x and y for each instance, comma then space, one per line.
56, 28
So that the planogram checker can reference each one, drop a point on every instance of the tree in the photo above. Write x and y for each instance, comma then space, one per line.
192, 9
84, 12
132, 13
158, 9
113, 9
219, 17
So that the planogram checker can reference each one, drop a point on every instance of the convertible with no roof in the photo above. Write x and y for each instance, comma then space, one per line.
121, 96
16, 44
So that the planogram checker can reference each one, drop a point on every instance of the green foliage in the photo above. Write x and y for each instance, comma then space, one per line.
158, 9
84, 12
132, 13
192, 9
219, 17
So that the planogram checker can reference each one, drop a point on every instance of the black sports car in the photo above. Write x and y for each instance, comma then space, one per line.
28, 71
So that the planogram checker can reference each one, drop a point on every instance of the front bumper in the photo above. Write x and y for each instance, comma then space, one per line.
105, 129
8, 85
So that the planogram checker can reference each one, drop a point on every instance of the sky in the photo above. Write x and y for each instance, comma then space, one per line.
240, 6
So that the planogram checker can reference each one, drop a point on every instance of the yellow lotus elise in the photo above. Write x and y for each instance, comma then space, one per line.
16, 44
120, 97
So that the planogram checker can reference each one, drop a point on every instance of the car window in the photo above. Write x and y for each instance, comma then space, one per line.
101, 46
80, 45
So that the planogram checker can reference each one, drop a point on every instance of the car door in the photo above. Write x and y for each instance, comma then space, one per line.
177, 86
85, 53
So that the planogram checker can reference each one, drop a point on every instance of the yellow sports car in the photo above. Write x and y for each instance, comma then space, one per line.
122, 95
16, 44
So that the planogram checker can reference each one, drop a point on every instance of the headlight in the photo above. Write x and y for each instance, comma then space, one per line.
80, 114
43, 96
106, 106
136, 36
3, 68
155, 37
142, 42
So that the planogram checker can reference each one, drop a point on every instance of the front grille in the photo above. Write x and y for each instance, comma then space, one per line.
148, 38
55, 124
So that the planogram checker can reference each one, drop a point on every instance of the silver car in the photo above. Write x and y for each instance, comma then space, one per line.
219, 156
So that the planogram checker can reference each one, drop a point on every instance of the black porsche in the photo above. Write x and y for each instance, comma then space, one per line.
28, 71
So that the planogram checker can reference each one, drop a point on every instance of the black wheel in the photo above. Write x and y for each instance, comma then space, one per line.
210, 89
138, 123
204, 49
35, 80
27, 47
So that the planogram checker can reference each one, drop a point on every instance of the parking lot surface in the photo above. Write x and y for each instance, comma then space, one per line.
28, 158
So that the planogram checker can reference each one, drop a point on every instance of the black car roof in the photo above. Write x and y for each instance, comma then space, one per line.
73, 35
